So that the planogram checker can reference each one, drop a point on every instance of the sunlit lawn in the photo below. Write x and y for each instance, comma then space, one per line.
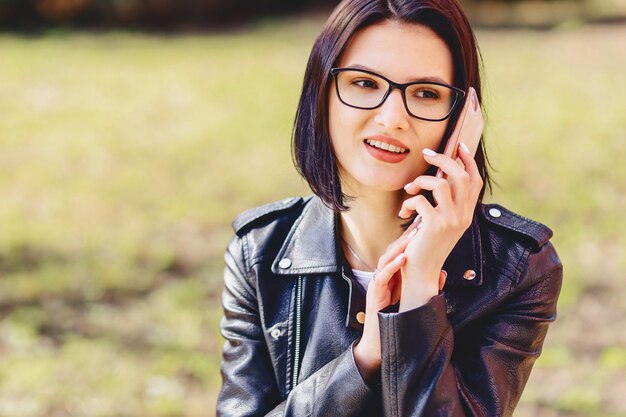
124, 157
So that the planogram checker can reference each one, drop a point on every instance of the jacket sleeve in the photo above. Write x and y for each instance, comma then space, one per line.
249, 385
425, 373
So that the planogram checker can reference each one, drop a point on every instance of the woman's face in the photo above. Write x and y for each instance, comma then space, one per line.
402, 53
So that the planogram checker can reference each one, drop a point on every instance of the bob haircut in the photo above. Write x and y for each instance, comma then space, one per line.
312, 150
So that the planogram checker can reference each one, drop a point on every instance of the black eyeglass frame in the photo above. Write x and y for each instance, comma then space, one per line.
458, 97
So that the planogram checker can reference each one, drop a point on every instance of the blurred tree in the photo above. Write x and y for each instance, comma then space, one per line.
178, 14
161, 14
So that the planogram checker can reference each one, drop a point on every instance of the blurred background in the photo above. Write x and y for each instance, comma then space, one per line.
133, 131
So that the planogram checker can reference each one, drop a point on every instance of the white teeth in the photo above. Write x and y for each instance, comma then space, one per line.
386, 146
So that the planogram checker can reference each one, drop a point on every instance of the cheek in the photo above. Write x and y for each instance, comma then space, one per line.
333, 121
435, 131
342, 123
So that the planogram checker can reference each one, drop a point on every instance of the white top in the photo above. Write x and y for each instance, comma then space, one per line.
363, 277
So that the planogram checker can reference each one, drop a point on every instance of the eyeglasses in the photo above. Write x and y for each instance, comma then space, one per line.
362, 89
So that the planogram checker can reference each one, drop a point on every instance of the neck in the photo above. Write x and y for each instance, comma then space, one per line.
370, 225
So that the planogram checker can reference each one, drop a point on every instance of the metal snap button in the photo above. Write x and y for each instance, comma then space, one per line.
284, 263
360, 317
275, 333
494, 212
469, 275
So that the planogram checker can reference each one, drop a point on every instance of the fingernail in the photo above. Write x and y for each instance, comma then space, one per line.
445, 273
417, 218
411, 233
408, 185
429, 152
399, 257
465, 148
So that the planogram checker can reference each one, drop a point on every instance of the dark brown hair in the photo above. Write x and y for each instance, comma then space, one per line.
311, 146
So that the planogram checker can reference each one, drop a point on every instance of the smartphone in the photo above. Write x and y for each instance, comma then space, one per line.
469, 129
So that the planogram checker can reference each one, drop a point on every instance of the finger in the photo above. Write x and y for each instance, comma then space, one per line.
410, 205
447, 164
397, 246
382, 277
442, 190
442, 279
412, 188
454, 171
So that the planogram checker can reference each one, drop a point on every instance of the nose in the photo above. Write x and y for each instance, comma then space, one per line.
392, 114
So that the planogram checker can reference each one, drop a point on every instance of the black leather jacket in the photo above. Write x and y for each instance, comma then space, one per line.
291, 302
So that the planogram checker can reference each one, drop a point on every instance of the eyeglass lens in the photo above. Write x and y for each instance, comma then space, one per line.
367, 91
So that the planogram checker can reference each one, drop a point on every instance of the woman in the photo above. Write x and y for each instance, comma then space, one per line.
333, 306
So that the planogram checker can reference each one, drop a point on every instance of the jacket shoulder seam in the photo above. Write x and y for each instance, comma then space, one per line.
519, 268
527, 259
246, 254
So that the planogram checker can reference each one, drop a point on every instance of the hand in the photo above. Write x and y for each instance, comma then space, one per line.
456, 197
382, 291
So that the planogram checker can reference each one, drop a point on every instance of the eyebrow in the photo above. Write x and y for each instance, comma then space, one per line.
428, 79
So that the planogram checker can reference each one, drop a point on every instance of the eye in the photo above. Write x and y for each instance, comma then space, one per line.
426, 94
365, 83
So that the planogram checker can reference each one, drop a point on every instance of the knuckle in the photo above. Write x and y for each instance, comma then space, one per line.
441, 183
455, 222
421, 199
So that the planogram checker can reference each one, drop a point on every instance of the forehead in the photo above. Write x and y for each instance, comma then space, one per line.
402, 52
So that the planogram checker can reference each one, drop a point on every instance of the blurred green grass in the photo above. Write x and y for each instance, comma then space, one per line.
124, 157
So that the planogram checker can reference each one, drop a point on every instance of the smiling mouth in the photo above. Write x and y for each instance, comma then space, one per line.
385, 146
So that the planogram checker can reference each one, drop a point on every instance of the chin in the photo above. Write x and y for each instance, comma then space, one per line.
386, 184
387, 180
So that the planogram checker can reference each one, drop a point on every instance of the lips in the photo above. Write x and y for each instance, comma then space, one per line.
386, 149
387, 144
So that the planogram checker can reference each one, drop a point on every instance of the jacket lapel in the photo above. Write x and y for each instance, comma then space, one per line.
311, 245
311, 248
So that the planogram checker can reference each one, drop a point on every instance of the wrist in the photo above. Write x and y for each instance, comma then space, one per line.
367, 364
418, 289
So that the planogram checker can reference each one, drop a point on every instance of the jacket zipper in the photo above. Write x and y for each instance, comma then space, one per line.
296, 365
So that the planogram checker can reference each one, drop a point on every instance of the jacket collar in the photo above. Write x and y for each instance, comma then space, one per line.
311, 247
